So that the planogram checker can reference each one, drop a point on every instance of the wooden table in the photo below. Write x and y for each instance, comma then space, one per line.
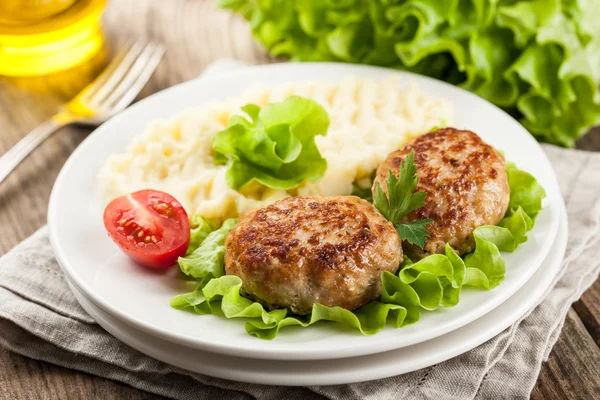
196, 33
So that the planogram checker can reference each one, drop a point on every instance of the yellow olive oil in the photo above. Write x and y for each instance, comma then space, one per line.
40, 37
23, 11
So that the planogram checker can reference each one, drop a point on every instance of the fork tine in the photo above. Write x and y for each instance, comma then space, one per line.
115, 75
101, 79
130, 91
133, 82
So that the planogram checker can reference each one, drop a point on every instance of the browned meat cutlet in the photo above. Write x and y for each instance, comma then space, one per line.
305, 250
466, 184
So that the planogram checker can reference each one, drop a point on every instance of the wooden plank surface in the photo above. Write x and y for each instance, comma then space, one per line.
196, 33
573, 370
24, 378
588, 310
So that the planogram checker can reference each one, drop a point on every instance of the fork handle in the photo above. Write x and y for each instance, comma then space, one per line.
20, 151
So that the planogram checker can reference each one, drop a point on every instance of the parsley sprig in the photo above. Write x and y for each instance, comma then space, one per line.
401, 200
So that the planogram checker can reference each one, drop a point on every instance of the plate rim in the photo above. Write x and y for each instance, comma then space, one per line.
301, 379
216, 347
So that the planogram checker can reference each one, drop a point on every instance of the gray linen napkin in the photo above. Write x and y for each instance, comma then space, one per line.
40, 318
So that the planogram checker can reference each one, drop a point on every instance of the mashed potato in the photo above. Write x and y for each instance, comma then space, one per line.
369, 119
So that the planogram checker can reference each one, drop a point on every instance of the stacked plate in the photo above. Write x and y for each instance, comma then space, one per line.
133, 303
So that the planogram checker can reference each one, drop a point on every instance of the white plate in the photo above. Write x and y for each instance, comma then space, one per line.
348, 370
140, 297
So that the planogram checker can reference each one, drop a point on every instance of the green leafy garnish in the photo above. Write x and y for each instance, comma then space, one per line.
207, 259
200, 228
362, 187
363, 193
402, 199
276, 147
433, 282
414, 232
529, 194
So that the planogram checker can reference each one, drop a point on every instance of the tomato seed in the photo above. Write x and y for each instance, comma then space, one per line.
163, 209
136, 231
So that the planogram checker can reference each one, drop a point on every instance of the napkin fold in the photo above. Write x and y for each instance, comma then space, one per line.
41, 319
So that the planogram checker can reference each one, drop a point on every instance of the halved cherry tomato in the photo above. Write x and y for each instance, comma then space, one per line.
150, 226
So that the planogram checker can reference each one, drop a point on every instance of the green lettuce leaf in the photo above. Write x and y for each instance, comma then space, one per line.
276, 147
525, 192
199, 230
207, 259
363, 193
433, 282
362, 188
536, 58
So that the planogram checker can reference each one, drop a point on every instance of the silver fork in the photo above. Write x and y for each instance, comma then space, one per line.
112, 91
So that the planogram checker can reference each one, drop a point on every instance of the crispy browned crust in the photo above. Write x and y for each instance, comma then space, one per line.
305, 250
466, 184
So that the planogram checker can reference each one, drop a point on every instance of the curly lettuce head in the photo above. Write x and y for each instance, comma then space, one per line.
536, 58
